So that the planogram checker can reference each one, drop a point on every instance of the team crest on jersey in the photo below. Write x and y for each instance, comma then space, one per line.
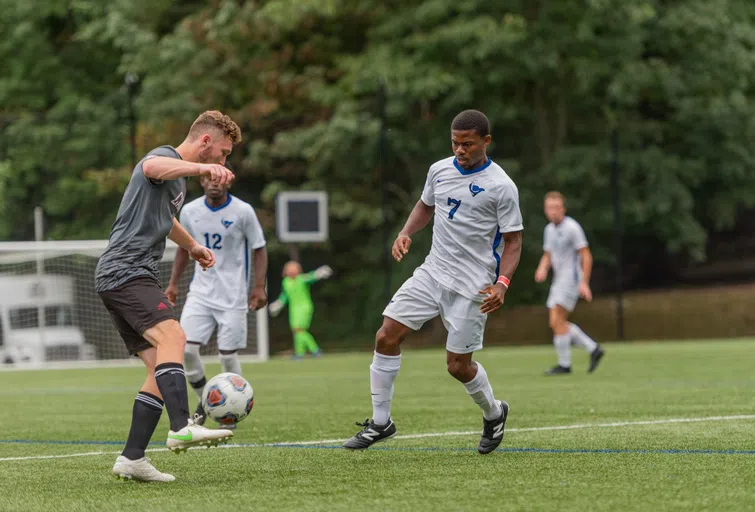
475, 189
226, 223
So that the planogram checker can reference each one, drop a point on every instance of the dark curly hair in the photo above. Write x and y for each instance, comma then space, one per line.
472, 120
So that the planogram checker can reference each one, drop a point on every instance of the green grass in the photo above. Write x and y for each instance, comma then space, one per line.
703, 465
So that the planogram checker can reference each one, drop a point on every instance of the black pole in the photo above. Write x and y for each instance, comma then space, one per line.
617, 235
382, 100
131, 81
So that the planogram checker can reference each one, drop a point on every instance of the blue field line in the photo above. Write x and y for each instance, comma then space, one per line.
670, 451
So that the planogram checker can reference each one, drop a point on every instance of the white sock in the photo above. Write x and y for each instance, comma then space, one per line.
194, 368
383, 372
230, 363
481, 392
579, 337
562, 343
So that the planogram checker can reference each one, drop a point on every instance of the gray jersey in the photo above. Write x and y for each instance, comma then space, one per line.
563, 241
144, 220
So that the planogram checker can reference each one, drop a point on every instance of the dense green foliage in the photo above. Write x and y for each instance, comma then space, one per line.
301, 77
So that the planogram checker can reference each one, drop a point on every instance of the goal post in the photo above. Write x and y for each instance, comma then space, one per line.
51, 317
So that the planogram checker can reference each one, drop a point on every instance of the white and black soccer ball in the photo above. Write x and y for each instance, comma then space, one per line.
228, 398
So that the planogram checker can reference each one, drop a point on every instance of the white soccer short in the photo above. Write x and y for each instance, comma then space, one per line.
198, 321
564, 297
422, 298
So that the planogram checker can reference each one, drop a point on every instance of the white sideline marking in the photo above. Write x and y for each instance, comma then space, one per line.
422, 436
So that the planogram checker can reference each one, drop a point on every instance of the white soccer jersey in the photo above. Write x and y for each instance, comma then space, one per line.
563, 241
472, 210
231, 231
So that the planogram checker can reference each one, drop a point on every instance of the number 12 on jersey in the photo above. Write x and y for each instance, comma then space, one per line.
456, 203
213, 241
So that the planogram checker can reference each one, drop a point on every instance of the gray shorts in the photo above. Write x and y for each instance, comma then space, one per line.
563, 297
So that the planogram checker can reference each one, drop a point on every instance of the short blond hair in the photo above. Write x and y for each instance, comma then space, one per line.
215, 120
555, 194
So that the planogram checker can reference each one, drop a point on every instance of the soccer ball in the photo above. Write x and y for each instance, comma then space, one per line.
228, 398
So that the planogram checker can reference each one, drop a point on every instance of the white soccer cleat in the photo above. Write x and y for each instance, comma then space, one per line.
196, 435
141, 470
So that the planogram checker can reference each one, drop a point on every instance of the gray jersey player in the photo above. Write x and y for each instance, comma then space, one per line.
127, 281
567, 254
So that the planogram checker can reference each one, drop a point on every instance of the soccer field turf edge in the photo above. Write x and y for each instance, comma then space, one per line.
638, 459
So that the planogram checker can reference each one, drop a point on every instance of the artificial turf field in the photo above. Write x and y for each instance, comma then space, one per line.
659, 426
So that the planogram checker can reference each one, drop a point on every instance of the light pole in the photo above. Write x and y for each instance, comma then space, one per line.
382, 97
131, 80
617, 234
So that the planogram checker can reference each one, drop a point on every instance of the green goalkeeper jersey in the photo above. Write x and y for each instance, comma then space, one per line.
295, 290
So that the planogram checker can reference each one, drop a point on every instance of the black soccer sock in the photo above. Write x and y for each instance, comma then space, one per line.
172, 383
144, 419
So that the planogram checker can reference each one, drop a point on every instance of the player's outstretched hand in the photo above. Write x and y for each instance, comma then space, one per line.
217, 173
275, 308
323, 272
203, 256
494, 300
585, 292
172, 293
401, 247
258, 298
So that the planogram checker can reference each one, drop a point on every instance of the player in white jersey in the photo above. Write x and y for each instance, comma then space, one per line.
566, 252
221, 296
475, 207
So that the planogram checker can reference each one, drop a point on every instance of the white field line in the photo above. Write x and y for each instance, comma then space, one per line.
422, 436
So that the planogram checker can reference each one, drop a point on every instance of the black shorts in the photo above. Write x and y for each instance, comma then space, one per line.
135, 307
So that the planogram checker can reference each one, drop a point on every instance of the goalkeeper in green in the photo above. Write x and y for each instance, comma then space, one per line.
295, 293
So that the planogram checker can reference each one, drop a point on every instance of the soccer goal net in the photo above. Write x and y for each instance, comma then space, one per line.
50, 315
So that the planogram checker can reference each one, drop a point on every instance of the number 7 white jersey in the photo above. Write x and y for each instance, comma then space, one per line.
231, 231
473, 208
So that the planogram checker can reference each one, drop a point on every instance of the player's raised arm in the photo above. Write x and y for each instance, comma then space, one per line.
161, 168
418, 219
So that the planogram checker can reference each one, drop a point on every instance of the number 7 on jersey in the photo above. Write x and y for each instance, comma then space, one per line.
457, 203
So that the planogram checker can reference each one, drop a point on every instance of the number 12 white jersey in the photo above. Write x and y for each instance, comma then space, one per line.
473, 208
231, 231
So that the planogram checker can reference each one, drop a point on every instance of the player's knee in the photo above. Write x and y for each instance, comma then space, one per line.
456, 368
385, 339
169, 334
556, 323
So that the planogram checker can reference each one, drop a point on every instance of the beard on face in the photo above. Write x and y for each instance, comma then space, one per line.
205, 156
